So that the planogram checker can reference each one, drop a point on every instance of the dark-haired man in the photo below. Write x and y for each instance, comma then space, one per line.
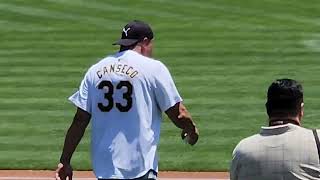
125, 94
284, 150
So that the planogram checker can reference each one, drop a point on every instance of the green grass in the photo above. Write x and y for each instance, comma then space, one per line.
223, 54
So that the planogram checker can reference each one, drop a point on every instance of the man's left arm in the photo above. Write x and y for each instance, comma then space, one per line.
180, 116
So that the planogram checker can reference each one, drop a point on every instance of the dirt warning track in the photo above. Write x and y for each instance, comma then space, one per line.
88, 175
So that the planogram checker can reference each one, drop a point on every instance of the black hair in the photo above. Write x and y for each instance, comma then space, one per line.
124, 48
284, 98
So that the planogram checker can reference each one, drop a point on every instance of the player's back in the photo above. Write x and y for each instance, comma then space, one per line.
124, 99
278, 153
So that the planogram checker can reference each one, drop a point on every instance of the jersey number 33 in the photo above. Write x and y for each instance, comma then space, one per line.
109, 96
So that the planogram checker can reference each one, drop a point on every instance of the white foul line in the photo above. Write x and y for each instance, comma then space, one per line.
48, 178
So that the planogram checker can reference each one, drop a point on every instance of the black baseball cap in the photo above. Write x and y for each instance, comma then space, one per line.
135, 31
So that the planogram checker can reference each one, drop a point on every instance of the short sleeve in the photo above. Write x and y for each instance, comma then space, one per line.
235, 163
166, 92
81, 98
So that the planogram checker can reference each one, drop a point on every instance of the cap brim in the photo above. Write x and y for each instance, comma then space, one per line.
126, 42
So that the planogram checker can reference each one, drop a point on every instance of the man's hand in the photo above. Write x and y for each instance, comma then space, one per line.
64, 172
192, 135
180, 116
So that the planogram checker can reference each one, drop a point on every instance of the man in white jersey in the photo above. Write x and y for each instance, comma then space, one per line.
284, 150
124, 95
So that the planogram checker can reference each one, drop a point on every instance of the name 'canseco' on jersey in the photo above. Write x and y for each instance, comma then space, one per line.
125, 94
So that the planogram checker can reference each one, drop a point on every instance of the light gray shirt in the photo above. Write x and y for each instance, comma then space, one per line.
284, 152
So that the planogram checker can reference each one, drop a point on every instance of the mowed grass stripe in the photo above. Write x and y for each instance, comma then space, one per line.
30, 19
19, 140
114, 9
63, 41
179, 60
296, 8
252, 12
50, 101
57, 38
23, 130
56, 112
43, 69
40, 76
41, 12
9, 26
73, 34
40, 159
31, 91
249, 33
79, 44
207, 19
54, 44
21, 116
250, 50
202, 67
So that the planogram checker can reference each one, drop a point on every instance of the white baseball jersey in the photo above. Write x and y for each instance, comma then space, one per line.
126, 95
284, 152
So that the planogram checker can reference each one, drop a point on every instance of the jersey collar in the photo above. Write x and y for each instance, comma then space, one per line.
279, 129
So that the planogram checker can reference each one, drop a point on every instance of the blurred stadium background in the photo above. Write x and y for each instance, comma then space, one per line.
223, 55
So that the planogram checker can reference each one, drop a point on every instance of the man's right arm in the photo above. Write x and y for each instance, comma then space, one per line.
235, 163
73, 137
74, 134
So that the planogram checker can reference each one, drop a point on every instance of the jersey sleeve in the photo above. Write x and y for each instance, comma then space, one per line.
166, 92
81, 98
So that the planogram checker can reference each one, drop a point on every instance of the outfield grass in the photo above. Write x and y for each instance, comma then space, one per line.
223, 55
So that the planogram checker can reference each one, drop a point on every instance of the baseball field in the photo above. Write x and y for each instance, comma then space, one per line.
223, 54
